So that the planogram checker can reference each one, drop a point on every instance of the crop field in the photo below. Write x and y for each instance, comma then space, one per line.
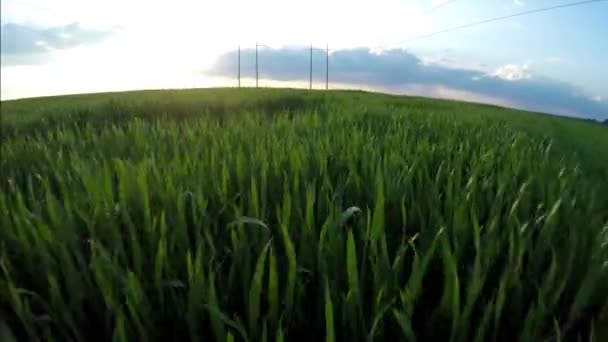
271, 215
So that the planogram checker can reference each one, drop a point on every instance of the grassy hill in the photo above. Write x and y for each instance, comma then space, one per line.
256, 214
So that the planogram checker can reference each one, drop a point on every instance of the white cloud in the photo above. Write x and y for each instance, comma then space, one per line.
518, 2
449, 62
376, 50
513, 72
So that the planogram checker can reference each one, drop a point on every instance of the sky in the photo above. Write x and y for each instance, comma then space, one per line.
555, 61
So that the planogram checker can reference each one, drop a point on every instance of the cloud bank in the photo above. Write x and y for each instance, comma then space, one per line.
400, 71
23, 44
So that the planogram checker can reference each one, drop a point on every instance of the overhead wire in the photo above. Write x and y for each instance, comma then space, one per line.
504, 17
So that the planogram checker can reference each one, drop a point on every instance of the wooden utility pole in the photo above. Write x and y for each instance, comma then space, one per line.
310, 83
239, 67
327, 66
256, 64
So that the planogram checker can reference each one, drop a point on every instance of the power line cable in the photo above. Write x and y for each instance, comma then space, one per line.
485, 21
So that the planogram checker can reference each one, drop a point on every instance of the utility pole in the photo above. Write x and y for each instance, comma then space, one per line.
310, 83
256, 64
239, 68
327, 66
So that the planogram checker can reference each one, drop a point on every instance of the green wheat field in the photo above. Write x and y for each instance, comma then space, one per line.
271, 215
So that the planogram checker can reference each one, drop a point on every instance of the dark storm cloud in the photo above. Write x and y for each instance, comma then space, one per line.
398, 68
22, 44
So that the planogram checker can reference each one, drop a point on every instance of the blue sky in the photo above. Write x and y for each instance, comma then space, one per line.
569, 44
554, 61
